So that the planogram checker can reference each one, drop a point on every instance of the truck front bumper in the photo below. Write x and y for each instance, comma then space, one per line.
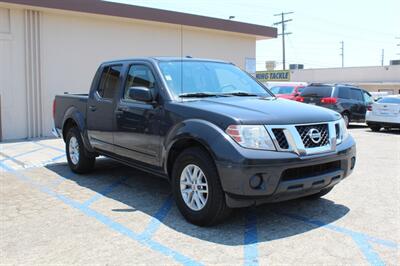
284, 175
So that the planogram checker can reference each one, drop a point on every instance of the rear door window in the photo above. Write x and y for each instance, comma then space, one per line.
317, 91
109, 81
356, 94
344, 93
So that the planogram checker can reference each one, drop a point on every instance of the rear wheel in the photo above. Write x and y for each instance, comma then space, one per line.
197, 188
78, 158
375, 128
320, 194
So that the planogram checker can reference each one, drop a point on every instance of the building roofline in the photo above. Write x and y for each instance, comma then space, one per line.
151, 14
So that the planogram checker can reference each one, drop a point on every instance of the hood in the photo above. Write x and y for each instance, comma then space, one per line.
265, 111
285, 96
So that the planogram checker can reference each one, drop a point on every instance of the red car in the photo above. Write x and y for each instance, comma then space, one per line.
290, 92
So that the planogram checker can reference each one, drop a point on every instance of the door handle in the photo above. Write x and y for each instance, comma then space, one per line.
92, 108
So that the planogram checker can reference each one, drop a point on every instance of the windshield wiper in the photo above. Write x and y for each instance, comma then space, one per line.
197, 95
240, 93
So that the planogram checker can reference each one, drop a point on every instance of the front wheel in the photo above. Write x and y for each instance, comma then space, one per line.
375, 128
78, 158
197, 188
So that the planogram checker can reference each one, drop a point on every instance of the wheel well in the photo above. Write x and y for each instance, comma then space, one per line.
346, 112
69, 123
180, 146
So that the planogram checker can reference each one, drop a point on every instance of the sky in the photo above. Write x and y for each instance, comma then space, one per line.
317, 26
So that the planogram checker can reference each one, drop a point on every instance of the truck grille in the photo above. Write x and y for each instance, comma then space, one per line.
308, 142
310, 171
281, 138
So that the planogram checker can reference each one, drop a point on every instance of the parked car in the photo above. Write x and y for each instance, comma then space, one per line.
384, 113
217, 134
350, 101
289, 92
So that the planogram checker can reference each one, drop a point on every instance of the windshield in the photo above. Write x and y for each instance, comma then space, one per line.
202, 78
282, 90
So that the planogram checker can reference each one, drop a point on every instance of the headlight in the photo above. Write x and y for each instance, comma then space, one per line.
343, 133
251, 136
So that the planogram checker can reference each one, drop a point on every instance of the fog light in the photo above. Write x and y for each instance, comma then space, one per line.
353, 163
256, 181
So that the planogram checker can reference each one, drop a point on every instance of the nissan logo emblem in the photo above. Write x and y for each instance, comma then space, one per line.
315, 135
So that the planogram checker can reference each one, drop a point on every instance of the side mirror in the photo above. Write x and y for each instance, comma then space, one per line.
141, 94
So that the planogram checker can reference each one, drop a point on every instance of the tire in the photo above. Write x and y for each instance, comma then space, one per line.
346, 118
81, 162
318, 195
213, 209
375, 128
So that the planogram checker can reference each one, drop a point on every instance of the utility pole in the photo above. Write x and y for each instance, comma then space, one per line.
342, 53
283, 33
383, 57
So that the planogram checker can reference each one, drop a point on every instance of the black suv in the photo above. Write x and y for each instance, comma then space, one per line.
350, 101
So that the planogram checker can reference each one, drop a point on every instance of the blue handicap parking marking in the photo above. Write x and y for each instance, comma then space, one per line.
154, 245
157, 219
251, 239
105, 191
49, 146
362, 240
21, 154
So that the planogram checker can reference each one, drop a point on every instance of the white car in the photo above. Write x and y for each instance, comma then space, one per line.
384, 113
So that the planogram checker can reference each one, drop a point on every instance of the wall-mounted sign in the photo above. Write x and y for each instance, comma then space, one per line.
273, 75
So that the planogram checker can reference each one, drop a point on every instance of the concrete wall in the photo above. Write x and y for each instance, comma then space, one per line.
48, 52
378, 78
348, 74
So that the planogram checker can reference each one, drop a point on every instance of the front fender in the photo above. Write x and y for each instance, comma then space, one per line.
214, 139
79, 119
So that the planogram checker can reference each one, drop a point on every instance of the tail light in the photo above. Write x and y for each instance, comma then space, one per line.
299, 99
329, 100
54, 108
369, 107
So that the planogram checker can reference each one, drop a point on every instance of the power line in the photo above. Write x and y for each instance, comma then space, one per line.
283, 33
342, 53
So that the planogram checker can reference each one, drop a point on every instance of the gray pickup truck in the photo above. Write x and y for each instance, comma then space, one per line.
219, 136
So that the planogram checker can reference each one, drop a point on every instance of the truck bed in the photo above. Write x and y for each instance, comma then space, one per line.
67, 101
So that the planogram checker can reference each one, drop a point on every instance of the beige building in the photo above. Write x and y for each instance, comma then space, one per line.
374, 78
48, 47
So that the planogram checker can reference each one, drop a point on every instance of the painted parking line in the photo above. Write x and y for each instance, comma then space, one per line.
154, 245
157, 219
49, 146
7, 157
7, 147
251, 239
362, 240
104, 192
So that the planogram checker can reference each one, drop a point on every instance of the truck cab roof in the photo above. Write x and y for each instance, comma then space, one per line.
156, 59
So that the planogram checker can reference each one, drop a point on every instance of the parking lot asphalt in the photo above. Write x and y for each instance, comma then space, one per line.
118, 215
